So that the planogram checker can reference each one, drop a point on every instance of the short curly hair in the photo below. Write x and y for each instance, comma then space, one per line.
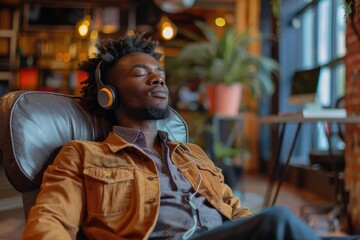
109, 52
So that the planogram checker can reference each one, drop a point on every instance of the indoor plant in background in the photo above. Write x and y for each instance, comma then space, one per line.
225, 62
226, 66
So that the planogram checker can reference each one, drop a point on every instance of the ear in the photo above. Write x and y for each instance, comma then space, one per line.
106, 95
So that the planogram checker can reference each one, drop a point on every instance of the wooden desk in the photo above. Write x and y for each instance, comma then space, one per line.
298, 118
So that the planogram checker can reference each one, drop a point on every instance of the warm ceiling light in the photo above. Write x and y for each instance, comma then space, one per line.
94, 35
83, 30
167, 28
220, 22
83, 26
167, 32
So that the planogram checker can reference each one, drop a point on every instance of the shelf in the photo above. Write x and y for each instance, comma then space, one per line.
46, 63
8, 60
7, 33
5, 76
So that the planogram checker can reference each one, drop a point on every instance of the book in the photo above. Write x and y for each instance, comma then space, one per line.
325, 113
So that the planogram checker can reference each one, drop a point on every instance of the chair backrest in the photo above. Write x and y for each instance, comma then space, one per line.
35, 125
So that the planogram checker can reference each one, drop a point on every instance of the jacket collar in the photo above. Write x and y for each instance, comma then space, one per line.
116, 143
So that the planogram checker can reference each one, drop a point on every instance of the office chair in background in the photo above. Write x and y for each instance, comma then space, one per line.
332, 162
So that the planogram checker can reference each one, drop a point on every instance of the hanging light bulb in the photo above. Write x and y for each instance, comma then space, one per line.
83, 26
167, 28
83, 30
167, 32
220, 21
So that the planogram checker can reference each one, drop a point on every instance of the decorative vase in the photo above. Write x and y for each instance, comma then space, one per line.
224, 99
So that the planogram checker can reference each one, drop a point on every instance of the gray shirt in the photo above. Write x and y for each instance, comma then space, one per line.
175, 215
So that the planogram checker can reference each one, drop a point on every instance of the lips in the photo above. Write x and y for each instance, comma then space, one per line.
159, 93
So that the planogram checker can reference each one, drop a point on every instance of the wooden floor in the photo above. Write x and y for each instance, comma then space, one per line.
11, 211
295, 199
253, 188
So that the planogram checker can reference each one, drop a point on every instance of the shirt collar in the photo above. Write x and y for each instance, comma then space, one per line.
116, 142
130, 135
135, 136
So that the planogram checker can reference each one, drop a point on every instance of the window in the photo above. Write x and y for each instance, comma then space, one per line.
323, 45
308, 38
312, 35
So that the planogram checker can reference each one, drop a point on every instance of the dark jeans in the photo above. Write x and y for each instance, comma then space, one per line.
274, 223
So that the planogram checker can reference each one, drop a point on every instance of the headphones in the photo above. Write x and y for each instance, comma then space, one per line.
106, 95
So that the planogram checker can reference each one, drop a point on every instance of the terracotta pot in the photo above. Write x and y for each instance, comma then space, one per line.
224, 99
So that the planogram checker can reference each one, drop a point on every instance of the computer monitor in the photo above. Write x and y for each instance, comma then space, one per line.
304, 86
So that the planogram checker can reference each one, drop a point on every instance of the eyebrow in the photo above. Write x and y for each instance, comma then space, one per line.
146, 66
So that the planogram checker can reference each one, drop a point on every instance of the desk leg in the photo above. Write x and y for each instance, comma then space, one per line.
275, 164
285, 167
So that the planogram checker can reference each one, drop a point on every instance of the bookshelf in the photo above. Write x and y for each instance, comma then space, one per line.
9, 27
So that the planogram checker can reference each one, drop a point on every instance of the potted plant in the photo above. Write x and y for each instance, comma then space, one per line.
224, 63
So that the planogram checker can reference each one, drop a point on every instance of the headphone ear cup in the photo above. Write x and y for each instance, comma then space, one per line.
107, 97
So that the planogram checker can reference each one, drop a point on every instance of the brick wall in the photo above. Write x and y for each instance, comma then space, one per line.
352, 102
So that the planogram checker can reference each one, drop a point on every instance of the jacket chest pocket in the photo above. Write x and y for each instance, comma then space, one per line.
108, 191
214, 178
212, 172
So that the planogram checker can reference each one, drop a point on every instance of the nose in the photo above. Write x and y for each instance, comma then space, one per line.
157, 79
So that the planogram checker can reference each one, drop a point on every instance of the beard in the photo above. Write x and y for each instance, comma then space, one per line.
150, 112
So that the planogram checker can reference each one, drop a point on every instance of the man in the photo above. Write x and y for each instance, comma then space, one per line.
137, 184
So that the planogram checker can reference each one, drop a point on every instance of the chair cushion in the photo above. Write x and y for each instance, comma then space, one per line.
35, 125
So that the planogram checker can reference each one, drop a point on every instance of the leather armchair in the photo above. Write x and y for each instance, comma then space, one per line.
35, 125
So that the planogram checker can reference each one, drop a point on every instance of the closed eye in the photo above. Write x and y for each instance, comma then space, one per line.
140, 75
140, 72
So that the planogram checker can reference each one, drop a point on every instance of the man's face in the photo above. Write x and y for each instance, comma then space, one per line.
140, 84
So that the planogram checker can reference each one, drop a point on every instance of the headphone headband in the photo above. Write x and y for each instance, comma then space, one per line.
106, 94
99, 83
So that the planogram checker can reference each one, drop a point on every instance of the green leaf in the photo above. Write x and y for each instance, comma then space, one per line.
208, 32
227, 59
217, 70
191, 35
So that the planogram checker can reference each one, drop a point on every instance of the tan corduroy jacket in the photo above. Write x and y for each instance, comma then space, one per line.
111, 190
